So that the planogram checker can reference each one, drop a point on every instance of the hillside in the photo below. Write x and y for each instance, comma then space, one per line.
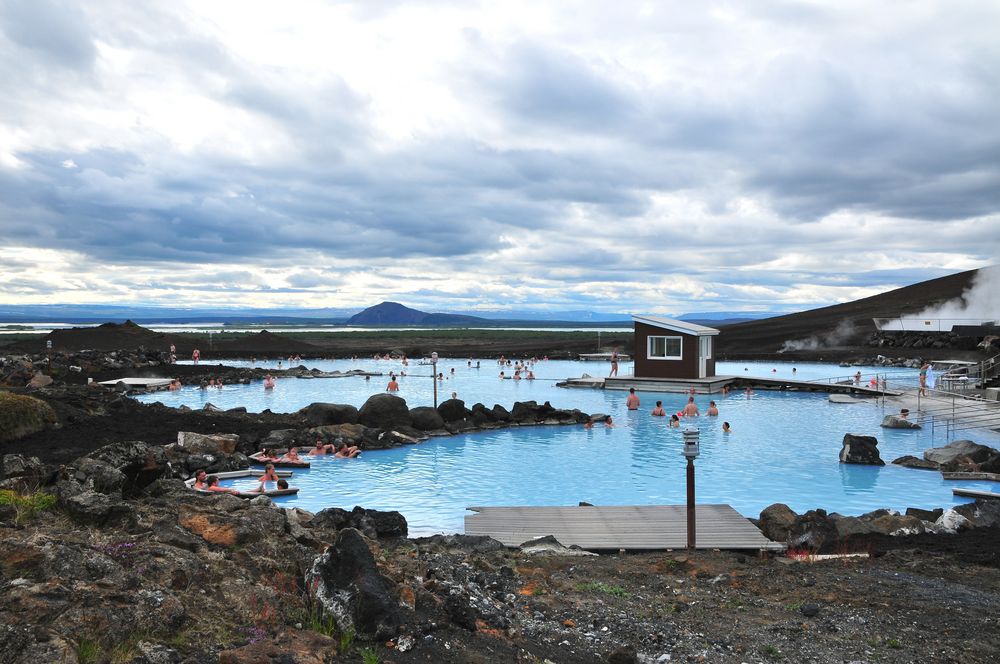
393, 313
840, 326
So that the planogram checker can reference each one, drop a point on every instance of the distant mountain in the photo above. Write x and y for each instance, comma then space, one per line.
394, 313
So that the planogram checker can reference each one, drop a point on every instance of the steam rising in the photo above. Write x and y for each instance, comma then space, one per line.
981, 300
844, 331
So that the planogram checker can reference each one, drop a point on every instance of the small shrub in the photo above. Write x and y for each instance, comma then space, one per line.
894, 644
600, 587
772, 653
26, 505
369, 656
22, 416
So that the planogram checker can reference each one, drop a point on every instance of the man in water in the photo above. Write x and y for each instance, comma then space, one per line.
691, 409
393, 386
632, 402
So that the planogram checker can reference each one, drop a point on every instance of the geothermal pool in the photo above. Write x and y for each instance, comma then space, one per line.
783, 447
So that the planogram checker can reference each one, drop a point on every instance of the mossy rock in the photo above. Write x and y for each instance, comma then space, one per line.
22, 416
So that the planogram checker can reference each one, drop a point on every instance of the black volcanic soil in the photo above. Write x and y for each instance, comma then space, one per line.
126, 419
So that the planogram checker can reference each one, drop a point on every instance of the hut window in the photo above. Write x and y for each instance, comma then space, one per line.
664, 348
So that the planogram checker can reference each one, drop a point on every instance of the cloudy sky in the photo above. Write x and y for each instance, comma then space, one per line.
614, 156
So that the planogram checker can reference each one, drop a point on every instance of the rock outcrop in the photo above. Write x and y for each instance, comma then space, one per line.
321, 414
384, 411
348, 585
860, 450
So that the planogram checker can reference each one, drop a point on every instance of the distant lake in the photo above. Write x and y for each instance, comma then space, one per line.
205, 328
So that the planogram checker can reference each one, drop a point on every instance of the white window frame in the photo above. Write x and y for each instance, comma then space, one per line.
649, 347
705, 347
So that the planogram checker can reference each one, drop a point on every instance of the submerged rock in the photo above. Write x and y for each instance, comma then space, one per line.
897, 422
910, 461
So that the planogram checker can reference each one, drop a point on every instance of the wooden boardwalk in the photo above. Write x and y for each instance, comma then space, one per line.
612, 527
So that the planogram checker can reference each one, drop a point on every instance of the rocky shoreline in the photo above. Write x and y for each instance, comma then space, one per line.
110, 558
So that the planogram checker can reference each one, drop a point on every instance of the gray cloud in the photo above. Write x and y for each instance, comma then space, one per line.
612, 153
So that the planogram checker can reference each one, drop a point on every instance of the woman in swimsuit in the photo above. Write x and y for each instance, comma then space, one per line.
291, 455
346, 452
658, 411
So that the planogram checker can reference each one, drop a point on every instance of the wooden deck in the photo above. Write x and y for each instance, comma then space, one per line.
967, 493
714, 384
633, 527
139, 382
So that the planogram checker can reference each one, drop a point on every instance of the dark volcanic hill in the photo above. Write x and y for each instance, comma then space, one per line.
129, 336
107, 337
837, 326
393, 313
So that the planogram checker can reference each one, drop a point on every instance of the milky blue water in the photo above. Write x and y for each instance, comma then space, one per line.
783, 447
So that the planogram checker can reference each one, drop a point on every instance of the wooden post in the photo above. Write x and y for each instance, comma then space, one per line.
690, 505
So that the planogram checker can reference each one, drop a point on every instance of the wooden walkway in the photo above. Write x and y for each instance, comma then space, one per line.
633, 527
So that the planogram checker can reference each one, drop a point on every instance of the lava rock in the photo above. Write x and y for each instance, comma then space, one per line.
777, 522
372, 523
910, 461
384, 411
141, 464
897, 422
350, 588
452, 410
809, 610
321, 414
500, 414
197, 443
860, 450
426, 418
97, 509
974, 451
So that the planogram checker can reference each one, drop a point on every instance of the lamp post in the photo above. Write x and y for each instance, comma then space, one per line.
691, 448
434, 376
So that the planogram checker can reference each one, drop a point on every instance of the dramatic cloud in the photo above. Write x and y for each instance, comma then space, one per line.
640, 156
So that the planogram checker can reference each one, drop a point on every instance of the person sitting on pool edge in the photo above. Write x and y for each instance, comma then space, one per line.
347, 452
265, 455
713, 410
658, 411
